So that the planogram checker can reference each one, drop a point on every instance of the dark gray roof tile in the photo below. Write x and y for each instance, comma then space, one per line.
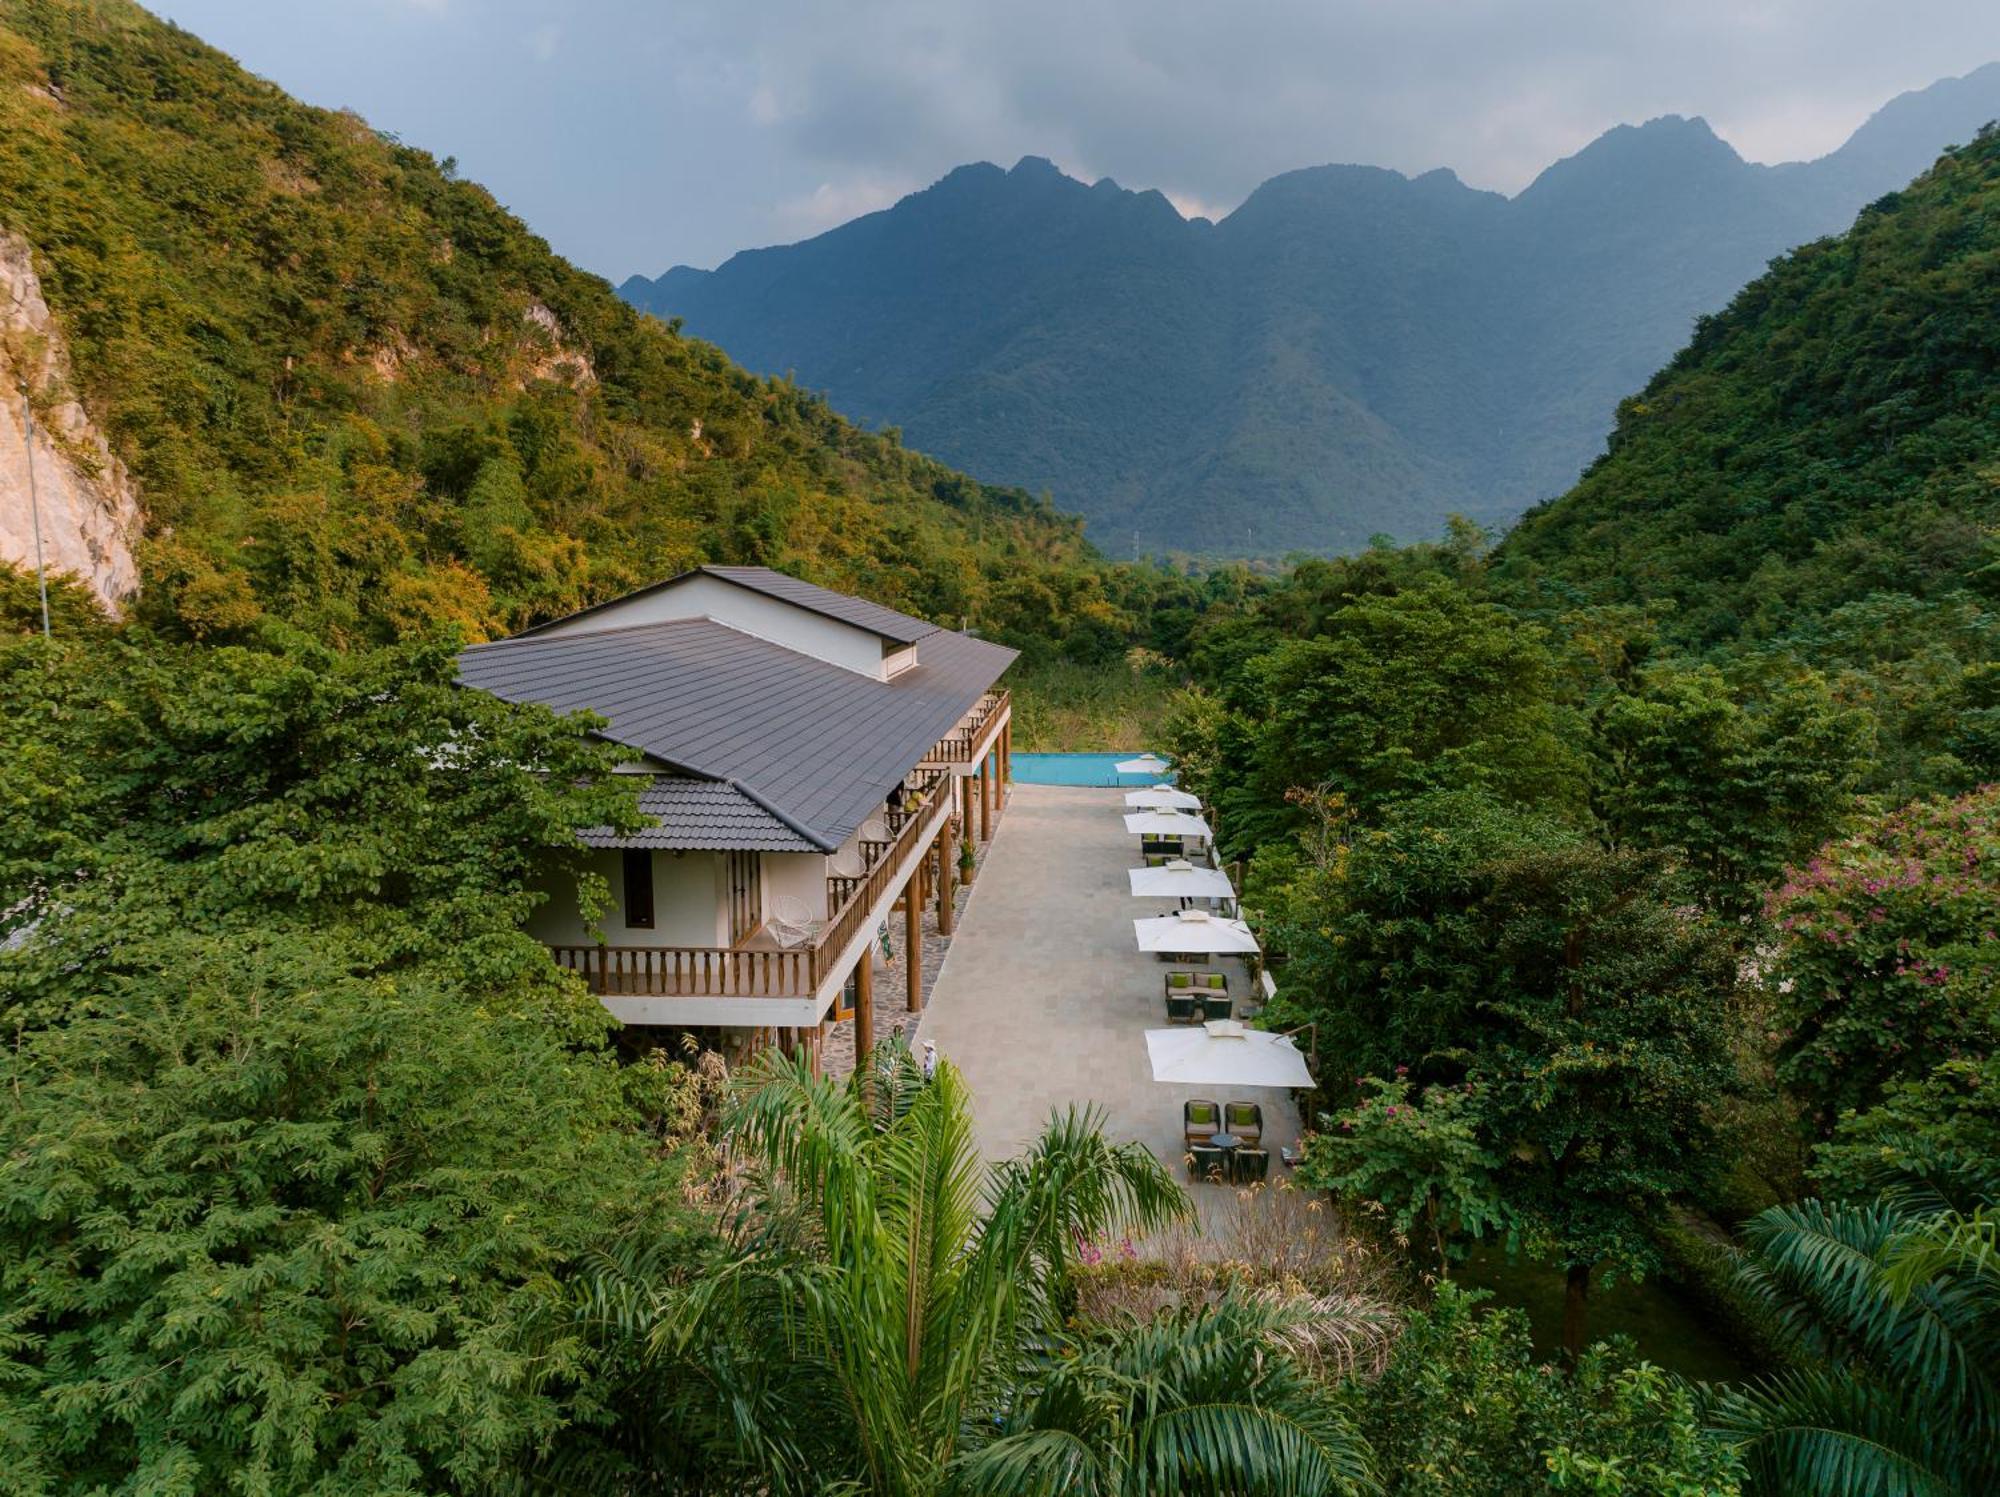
884, 623
887, 622
820, 744
692, 813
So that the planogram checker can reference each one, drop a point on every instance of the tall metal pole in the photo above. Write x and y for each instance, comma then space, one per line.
35, 509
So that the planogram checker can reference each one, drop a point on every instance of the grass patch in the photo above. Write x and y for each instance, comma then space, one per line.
1063, 706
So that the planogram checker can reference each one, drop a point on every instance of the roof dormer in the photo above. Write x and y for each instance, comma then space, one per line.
849, 632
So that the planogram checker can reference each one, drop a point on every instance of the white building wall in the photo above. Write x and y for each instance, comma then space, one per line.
690, 904
799, 874
702, 596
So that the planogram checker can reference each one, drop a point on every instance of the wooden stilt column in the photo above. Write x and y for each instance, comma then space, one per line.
947, 855
864, 1006
986, 799
913, 945
965, 822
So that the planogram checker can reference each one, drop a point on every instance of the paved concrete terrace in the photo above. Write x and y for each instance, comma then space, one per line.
1044, 998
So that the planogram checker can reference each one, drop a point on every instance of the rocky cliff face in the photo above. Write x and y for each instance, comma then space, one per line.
90, 516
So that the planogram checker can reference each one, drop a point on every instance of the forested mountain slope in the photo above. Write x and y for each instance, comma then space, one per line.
1834, 433
1349, 352
355, 391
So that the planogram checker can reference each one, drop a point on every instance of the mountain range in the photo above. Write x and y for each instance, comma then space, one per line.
1350, 352
287, 369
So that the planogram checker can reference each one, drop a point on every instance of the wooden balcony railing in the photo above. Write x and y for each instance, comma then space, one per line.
919, 801
737, 972
678, 971
956, 747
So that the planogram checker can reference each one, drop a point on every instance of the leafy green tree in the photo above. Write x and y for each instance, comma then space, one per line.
1921, 668
1942, 1130
1737, 792
152, 788
1424, 689
273, 1222
1419, 1158
1610, 1010
1890, 963
302, 1134
74, 612
1386, 948
1465, 1411
1587, 1006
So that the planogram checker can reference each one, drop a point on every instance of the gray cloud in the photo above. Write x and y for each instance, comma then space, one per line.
635, 134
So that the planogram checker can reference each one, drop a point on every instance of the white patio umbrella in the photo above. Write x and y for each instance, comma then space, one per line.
1224, 1053
1145, 764
1194, 932
1181, 880
1167, 823
1163, 797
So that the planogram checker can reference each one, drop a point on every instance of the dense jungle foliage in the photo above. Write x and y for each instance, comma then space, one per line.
1608, 904
358, 394
1650, 864
1827, 439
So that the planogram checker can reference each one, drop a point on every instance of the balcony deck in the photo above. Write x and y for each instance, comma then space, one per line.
759, 967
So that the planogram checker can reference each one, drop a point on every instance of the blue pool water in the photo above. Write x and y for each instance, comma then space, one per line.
1079, 769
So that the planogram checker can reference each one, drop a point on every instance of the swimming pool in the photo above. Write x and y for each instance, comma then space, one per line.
1079, 769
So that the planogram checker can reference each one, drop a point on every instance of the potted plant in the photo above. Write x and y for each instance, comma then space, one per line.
966, 866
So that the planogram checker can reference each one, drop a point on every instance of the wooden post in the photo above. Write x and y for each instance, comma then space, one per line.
864, 1005
965, 794
947, 855
985, 802
913, 945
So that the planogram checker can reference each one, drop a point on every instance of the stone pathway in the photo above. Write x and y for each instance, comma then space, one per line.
892, 1014
1044, 1000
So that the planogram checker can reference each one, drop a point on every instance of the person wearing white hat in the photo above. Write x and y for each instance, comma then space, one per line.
930, 1059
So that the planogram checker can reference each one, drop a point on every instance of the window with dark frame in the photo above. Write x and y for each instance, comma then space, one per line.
638, 888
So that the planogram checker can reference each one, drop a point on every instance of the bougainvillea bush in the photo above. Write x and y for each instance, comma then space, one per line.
1889, 955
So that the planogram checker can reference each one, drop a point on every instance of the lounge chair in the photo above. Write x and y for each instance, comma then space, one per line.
1201, 1120
1216, 1006
1244, 1120
1183, 1008
1207, 1164
1178, 982
1248, 1166
790, 922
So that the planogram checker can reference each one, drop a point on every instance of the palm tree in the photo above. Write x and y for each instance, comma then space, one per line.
1895, 1306
890, 1318
1216, 1400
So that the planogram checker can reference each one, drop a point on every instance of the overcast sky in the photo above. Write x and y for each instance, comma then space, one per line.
637, 134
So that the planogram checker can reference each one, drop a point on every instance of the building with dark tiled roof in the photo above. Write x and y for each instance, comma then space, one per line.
810, 759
